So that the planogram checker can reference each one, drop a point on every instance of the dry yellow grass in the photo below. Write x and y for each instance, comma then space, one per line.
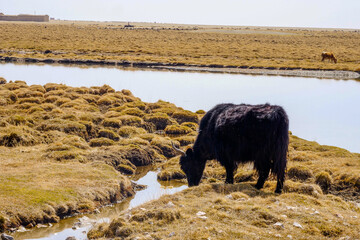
34, 189
239, 211
201, 45
69, 154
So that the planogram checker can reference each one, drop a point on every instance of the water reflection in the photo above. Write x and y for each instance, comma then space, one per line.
144, 176
154, 189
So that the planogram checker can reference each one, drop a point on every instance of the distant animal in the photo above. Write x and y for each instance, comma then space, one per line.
328, 55
235, 134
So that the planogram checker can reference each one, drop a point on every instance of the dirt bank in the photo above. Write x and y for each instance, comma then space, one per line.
289, 72
212, 68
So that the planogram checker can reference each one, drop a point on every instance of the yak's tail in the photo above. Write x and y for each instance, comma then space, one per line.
281, 147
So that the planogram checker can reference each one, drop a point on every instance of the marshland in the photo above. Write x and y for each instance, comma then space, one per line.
71, 149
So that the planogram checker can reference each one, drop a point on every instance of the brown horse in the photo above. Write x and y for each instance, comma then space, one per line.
328, 55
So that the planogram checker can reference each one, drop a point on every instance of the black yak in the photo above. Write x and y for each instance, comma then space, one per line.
235, 134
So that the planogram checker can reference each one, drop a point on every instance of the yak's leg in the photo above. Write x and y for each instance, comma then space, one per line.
229, 175
224, 157
263, 175
230, 170
280, 182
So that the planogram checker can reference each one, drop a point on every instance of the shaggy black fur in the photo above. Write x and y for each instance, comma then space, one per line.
235, 134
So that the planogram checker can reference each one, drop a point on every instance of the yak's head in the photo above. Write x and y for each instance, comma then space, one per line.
192, 167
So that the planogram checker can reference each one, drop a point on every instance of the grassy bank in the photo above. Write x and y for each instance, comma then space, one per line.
239, 211
68, 150
177, 44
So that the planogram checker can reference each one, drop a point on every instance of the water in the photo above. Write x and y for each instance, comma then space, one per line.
326, 111
322, 110
144, 176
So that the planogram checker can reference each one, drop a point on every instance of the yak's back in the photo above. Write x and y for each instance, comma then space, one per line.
209, 120
250, 115
229, 121
252, 131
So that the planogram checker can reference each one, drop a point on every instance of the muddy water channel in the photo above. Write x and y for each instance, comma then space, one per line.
322, 110
78, 226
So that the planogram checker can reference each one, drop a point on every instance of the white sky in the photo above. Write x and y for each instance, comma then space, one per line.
288, 13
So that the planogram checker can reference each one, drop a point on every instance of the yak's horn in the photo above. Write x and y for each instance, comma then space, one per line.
178, 149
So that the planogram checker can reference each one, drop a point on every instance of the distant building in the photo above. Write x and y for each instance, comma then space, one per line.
24, 17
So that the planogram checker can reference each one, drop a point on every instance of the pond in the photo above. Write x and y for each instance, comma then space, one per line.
322, 110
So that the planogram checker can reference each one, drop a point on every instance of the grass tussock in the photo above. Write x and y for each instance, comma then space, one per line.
303, 188
29, 94
68, 148
30, 100
112, 122
185, 116
299, 173
132, 111
324, 180
98, 130
2, 80
98, 142
18, 120
159, 119
106, 133
63, 125
164, 144
193, 126
177, 130
13, 136
185, 140
130, 120
129, 131
140, 156
170, 170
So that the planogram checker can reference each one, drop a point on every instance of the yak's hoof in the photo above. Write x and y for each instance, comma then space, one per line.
278, 191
